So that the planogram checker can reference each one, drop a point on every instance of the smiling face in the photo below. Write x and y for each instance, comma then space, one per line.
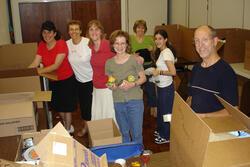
140, 30
120, 45
94, 32
75, 31
205, 43
160, 42
48, 36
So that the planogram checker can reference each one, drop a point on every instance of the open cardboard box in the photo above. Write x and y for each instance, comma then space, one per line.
56, 148
17, 112
14, 75
198, 142
103, 132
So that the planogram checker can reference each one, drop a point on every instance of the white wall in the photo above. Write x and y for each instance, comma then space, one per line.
247, 14
154, 12
178, 12
4, 22
217, 13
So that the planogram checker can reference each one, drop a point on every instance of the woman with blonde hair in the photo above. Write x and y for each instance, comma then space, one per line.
102, 103
143, 46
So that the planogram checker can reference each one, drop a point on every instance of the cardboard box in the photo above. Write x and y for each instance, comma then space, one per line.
198, 142
247, 56
21, 80
13, 164
103, 132
17, 112
17, 56
56, 148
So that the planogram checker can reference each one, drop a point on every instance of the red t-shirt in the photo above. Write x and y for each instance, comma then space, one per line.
49, 56
98, 60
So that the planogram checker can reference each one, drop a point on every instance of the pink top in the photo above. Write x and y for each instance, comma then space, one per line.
98, 60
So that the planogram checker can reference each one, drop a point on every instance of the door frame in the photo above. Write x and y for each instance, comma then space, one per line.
17, 21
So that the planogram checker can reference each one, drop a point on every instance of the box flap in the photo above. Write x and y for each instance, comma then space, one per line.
58, 148
18, 73
224, 124
4, 163
17, 56
189, 135
228, 153
51, 75
42, 96
59, 130
237, 114
100, 125
16, 110
25, 96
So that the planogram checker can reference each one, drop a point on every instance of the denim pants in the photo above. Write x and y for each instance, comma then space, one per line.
149, 89
129, 116
165, 105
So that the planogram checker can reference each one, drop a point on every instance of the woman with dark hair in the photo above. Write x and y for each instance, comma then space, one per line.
165, 70
52, 52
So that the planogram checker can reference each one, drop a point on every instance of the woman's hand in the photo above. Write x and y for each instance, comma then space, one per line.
112, 86
156, 72
125, 85
138, 58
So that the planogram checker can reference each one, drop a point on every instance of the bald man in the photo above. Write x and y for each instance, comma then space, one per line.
212, 76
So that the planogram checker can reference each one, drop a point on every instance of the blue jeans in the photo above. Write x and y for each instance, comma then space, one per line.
129, 116
149, 89
165, 105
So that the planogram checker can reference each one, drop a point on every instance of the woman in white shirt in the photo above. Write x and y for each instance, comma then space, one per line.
79, 58
164, 72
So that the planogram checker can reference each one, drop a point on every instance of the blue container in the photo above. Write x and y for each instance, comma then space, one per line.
116, 151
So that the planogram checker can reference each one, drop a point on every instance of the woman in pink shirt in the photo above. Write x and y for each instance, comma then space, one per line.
102, 102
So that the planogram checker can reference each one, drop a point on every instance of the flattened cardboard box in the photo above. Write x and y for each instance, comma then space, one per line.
198, 142
103, 132
17, 112
56, 148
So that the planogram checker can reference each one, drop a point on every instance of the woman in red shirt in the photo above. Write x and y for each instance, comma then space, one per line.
102, 102
52, 52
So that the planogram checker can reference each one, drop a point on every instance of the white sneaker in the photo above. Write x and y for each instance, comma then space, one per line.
71, 130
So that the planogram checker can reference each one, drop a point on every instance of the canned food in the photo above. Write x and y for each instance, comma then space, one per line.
28, 142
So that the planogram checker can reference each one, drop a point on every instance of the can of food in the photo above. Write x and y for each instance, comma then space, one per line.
28, 142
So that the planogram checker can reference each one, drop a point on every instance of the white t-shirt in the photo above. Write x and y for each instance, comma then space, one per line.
165, 55
79, 59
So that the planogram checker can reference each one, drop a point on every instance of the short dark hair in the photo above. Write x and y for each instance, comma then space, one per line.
50, 26
75, 22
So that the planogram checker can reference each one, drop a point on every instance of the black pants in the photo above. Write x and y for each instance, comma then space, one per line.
84, 94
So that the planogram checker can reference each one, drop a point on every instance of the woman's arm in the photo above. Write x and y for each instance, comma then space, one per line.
36, 62
170, 72
59, 59
127, 85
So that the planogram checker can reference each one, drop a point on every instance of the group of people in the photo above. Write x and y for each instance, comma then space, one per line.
84, 65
